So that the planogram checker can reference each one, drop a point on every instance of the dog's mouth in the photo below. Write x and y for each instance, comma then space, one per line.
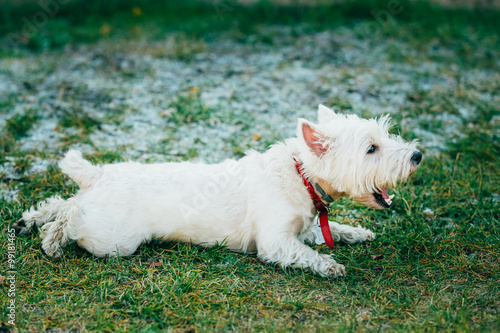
383, 198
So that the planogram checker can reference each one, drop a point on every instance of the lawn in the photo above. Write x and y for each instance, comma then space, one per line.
204, 81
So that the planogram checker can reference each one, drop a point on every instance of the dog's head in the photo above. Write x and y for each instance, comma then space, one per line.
356, 157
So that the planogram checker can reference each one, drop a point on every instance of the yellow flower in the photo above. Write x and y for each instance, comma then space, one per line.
137, 11
105, 29
256, 136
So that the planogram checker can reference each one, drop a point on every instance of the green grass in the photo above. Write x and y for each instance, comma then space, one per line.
15, 128
189, 108
425, 271
434, 265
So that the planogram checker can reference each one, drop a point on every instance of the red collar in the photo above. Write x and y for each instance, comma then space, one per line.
320, 207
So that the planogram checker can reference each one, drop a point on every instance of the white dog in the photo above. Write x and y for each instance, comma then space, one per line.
256, 204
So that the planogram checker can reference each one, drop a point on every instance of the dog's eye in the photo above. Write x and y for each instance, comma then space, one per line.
372, 149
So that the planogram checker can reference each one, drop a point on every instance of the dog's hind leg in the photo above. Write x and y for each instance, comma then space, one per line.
44, 212
52, 217
56, 234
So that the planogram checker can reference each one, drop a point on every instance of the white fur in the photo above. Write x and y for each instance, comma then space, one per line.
256, 204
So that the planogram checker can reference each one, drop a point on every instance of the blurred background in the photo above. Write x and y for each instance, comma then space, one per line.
130, 76
46, 24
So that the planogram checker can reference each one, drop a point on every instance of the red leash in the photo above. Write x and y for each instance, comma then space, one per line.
320, 206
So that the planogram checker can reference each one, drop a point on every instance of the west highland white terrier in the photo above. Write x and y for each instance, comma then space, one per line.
258, 204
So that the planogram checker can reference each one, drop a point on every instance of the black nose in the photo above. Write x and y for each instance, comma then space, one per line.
416, 157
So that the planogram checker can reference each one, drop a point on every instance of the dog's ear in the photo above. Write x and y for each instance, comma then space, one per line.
312, 136
325, 114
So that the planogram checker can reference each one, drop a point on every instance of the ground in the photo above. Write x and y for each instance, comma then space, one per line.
210, 82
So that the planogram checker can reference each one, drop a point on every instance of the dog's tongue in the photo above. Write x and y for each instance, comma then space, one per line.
386, 196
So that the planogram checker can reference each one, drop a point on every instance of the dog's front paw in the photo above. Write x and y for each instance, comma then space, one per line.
330, 267
336, 270
369, 235
356, 235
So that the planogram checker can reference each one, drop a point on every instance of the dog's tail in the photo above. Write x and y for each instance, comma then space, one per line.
79, 169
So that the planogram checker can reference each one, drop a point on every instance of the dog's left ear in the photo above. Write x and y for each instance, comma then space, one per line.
313, 137
325, 115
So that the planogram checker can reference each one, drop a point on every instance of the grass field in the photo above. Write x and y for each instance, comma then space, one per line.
158, 81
